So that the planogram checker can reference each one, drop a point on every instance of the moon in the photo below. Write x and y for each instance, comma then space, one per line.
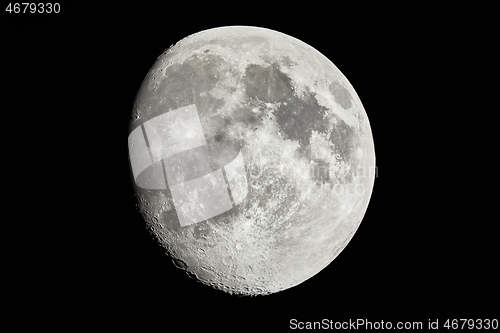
252, 158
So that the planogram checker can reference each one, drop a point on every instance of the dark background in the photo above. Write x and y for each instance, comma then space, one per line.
76, 248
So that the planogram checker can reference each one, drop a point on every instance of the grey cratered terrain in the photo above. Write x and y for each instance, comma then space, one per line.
305, 141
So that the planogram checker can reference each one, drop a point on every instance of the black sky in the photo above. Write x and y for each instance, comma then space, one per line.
83, 251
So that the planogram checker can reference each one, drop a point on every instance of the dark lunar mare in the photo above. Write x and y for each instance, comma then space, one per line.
298, 116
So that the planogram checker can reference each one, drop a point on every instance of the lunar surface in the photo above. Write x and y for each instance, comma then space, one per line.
252, 158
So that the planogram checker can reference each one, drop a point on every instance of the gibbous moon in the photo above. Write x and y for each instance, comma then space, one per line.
252, 158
